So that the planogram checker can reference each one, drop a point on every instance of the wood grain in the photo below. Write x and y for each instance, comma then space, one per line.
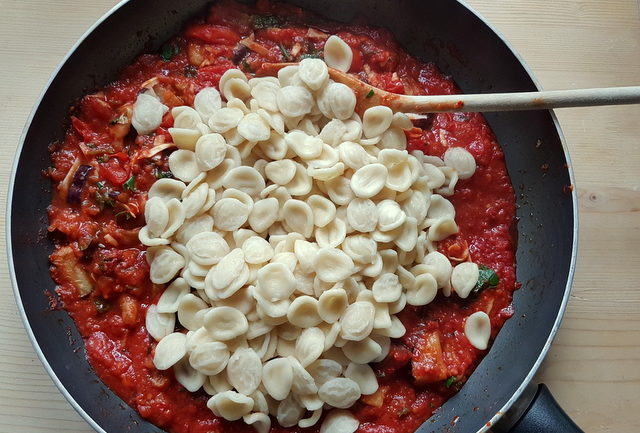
592, 368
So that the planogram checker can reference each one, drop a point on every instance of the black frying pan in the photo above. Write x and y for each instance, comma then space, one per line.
443, 31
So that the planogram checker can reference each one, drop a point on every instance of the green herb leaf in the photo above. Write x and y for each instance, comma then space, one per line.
103, 201
265, 21
100, 185
168, 51
122, 119
487, 278
450, 381
126, 214
159, 174
103, 158
310, 56
190, 71
403, 412
246, 67
102, 306
130, 184
285, 53
370, 94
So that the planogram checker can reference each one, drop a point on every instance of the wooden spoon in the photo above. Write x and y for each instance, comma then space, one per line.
367, 96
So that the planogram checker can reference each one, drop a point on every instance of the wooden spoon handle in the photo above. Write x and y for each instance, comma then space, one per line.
517, 101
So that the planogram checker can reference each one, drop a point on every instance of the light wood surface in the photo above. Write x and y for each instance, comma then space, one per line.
593, 368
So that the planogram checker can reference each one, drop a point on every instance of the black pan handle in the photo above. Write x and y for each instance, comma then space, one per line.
544, 414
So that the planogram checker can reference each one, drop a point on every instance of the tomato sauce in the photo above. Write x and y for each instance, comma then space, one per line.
99, 263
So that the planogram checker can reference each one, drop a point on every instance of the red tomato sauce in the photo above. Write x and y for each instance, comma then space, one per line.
99, 263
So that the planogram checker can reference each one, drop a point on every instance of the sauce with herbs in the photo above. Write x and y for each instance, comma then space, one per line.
103, 170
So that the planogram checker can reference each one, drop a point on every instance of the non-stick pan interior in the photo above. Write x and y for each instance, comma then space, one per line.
443, 31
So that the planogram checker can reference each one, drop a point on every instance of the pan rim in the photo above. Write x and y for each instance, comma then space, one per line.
80, 410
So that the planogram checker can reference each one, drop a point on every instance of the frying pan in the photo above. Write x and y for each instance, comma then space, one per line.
499, 394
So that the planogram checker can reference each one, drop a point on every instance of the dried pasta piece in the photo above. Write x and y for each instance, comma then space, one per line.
257, 250
364, 376
264, 214
477, 329
324, 211
339, 421
191, 379
332, 304
207, 101
342, 101
289, 412
245, 179
309, 346
244, 370
159, 325
166, 189
259, 421
464, 278
294, 101
337, 54
303, 312
332, 234
156, 216
376, 120
229, 214
225, 323
333, 265
265, 93
207, 248
225, 278
460, 160
170, 350
230, 405
362, 352
362, 215
357, 321
387, 288
165, 265
390, 215
183, 165
147, 113
298, 217
312, 420
441, 229
276, 282
339, 392
188, 311
369, 180
277, 377
170, 298
209, 358
424, 290
280, 172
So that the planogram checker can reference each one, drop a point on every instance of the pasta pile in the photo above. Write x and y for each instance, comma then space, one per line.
292, 234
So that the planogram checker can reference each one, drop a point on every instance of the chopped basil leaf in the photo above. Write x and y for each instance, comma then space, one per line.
130, 184
487, 278
126, 214
103, 201
190, 71
92, 145
159, 174
310, 56
403, 412
265, 21
168, 51
122, 119
450, 381
285, 53
102, 158
246, 67
100, 185
370, 94
102, 306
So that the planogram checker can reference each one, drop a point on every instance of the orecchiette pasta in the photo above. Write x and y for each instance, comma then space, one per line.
293, 233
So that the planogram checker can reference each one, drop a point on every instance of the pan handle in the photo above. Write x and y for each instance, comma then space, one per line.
544, 414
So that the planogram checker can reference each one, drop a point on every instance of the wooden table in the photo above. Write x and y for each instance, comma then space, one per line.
593, 368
